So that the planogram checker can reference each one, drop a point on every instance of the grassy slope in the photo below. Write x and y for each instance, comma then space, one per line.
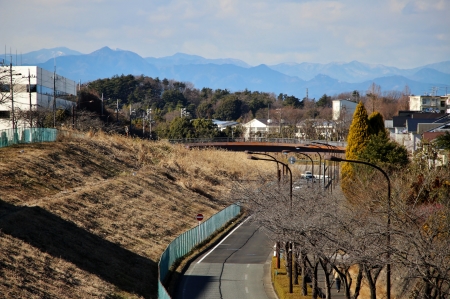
89, 217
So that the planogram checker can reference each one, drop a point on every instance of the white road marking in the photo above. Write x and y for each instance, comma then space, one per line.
246, 290
245, 276
221, 241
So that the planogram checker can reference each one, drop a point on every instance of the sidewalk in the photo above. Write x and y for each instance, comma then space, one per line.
321, 285
320, 277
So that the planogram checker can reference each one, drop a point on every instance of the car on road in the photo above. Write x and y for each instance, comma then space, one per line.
308, 176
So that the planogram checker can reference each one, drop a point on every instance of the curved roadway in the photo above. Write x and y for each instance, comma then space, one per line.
237, 267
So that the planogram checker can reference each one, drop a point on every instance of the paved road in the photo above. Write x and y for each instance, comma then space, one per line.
238, 267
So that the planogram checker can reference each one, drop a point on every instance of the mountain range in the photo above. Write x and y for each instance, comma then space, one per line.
296, 79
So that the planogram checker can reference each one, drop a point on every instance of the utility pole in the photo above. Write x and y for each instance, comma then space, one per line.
54, 98
11, 89
29, 92
73, 116
117, 111
279, 111
150, 120
143, 124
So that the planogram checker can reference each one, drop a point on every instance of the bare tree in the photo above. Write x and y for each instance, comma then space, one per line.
421, 228
373, 95
356, 239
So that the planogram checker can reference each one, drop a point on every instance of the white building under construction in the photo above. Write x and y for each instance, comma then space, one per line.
30, 88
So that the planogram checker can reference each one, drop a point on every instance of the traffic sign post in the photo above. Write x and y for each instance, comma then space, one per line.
199, 218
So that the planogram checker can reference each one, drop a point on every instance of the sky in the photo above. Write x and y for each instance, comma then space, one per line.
400, 33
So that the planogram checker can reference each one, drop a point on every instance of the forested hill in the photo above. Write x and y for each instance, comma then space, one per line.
167, 97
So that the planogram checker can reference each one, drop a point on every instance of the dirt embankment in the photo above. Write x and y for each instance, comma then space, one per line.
89, 217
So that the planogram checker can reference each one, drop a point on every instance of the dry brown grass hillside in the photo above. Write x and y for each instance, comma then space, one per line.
88, 217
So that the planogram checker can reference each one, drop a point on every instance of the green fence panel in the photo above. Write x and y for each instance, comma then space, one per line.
185, 242
27, 135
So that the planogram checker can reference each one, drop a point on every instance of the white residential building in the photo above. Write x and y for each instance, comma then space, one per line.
32, 88
260, 128
343, 109
436, 104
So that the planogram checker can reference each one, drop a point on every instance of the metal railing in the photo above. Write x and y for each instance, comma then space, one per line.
27, 135
255, 139
185, 242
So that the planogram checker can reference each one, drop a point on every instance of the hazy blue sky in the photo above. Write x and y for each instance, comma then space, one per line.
402, 33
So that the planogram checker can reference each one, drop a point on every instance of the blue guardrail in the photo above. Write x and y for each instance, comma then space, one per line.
27, 135
185, 242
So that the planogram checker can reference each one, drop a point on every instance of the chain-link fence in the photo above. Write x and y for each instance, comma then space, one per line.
185, 242
27, 135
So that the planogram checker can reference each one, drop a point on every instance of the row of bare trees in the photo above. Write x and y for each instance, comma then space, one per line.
328, 233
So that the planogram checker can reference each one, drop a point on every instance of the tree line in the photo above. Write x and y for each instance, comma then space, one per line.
360, 229
127, 98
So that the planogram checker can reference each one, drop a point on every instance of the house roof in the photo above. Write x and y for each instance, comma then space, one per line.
443, 127
406, 112
257, 122
412, 123
400, 120
428, 115
421, 127
430, 136
224, 123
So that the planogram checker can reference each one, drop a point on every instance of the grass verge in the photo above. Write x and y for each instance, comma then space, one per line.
280, 282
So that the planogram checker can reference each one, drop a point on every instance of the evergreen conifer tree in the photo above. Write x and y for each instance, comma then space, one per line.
356, 141
376, 123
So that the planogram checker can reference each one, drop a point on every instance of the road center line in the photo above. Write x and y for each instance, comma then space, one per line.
221, 241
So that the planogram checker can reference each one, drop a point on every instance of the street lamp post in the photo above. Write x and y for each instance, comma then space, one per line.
291, 288
279, 179
275, 160
331, 149
388, 241
320, 164
312, 162
272, 159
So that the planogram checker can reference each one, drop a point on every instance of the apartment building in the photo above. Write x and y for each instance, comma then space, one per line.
427, 103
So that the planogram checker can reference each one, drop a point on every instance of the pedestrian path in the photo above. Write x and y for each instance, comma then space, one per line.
321, 285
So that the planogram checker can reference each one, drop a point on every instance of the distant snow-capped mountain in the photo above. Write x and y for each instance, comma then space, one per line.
355, 71
184, 59
234, 75
39, 56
